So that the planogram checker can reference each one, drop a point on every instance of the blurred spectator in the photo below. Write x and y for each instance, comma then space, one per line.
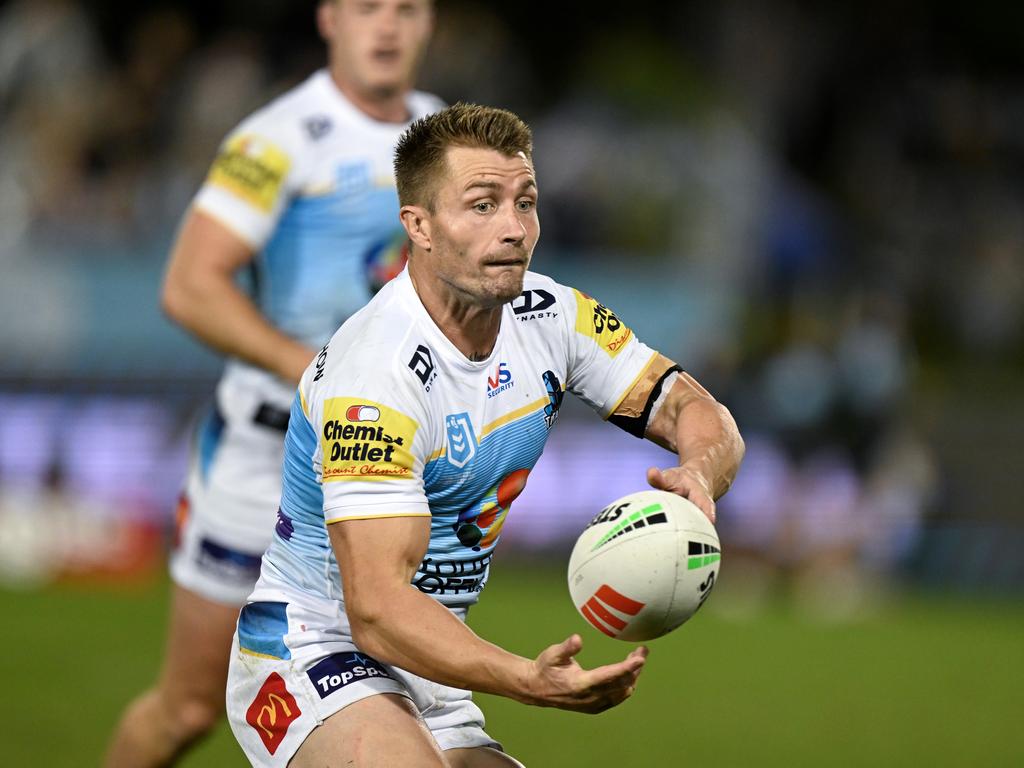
826, 210
51, 67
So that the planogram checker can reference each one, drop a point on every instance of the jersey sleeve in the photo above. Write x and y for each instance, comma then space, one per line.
605, 359
252, 178
370, 445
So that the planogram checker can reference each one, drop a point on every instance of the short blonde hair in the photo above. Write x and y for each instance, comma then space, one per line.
420, 157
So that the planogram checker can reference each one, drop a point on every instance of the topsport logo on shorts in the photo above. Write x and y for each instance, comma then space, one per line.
340, 669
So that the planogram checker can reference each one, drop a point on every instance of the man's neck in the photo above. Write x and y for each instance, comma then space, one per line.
472, 329
383, 106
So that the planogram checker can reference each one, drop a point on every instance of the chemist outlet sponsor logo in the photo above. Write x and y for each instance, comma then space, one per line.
338, 670
363, 440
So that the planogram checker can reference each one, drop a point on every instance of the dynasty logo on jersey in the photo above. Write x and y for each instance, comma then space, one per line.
596, 321
363, 440
251, 168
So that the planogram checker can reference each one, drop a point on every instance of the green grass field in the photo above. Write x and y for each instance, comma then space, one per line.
925, 682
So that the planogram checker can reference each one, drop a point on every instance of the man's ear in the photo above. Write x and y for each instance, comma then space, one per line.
325, 19
417, 225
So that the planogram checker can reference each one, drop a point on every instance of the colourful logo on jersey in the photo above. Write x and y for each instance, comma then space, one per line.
555, 395
272, 711
500, 381
599, 323
461, 439
251, 168
385, 260
479, 526
363, 440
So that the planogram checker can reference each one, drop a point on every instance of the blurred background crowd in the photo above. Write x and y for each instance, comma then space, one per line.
816, 209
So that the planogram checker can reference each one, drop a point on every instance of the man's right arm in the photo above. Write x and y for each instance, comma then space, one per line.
397, 624
200, 294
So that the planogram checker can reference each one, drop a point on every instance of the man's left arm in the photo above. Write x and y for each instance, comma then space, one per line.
683, 417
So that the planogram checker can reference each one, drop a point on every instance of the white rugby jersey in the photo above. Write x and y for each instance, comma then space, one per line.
391, 419
308, 182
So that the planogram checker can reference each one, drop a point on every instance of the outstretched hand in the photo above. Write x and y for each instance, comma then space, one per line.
686, 483
559, 681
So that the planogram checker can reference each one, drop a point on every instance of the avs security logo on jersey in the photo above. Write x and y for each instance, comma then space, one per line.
364, 440
340, 669
461, 439
500, 381
532, 304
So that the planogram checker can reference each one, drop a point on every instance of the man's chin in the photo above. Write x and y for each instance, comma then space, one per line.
508, 286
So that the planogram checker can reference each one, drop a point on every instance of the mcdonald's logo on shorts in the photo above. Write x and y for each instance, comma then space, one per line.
272, 711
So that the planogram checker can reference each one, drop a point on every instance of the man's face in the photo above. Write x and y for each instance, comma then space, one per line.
484, 226
377, 45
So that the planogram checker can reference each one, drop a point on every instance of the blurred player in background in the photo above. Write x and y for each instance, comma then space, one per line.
411, 435
302, 196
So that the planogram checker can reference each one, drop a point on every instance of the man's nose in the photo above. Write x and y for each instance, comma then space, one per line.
513, 229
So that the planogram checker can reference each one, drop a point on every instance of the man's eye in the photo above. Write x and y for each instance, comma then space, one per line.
525, 205
482, 207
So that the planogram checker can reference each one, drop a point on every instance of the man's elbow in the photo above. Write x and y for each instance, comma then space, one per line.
366, 622
736, 447
171, 300
180, 297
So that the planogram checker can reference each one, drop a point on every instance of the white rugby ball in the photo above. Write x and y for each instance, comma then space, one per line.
644, 565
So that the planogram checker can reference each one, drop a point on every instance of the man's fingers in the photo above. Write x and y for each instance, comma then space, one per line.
655, 479
640, 651
684, 486
561, 653
621, 674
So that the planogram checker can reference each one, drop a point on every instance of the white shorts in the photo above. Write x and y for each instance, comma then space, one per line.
227, 513
277, 694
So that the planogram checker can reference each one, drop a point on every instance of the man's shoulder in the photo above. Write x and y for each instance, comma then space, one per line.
298, 116
542, 297
373, 344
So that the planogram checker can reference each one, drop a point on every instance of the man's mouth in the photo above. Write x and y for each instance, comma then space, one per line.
506, 261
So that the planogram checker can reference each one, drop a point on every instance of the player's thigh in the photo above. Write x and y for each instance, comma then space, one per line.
480, 757
198, 649
379, 731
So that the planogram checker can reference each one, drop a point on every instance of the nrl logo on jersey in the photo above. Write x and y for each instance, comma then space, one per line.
532, 304
461, 439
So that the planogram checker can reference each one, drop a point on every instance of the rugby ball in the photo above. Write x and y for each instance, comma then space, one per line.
644, 565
